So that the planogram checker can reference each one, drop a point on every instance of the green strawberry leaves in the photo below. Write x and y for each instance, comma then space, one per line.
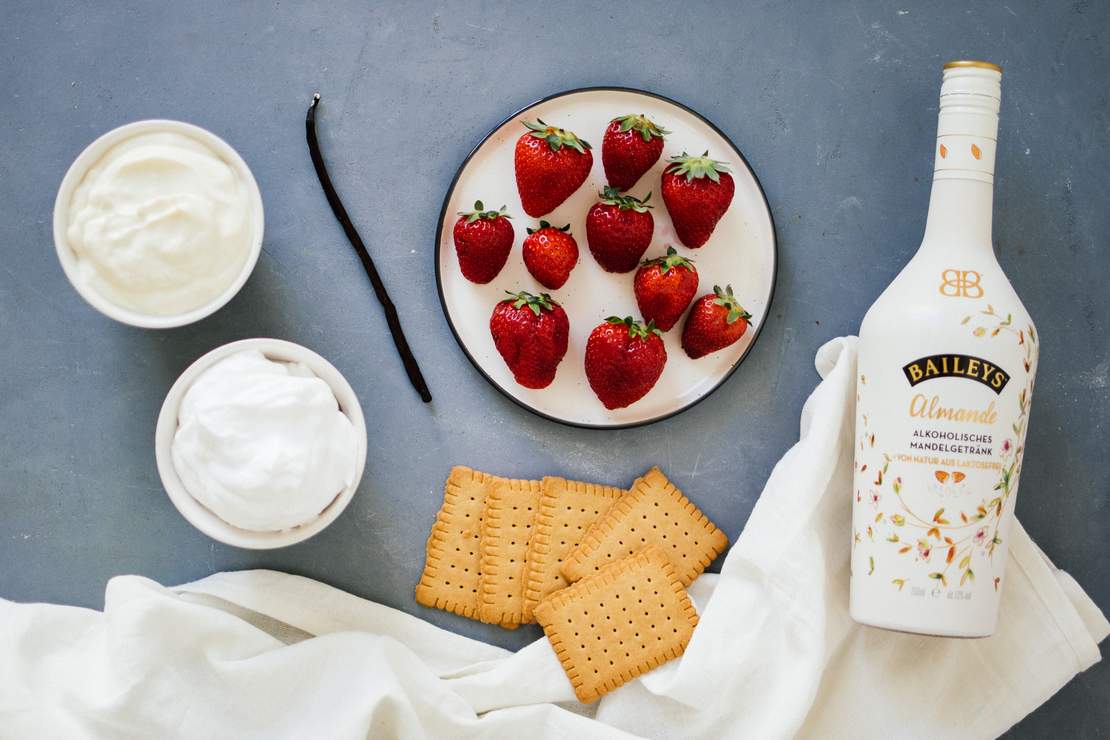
556, 138
672, 259
536, 303
728, 300
545, 225
696, 168
610, 196
646, 127
636, 330
480, 212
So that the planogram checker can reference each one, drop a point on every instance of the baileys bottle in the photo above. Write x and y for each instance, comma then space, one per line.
947, 357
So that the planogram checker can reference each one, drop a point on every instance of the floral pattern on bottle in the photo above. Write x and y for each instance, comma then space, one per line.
954, 542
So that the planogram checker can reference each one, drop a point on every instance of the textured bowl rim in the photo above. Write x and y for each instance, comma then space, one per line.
76, 173
204, 518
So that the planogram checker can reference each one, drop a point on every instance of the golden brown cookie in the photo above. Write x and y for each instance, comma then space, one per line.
451, 569
618, 623
567, 510
510, 511
653, 512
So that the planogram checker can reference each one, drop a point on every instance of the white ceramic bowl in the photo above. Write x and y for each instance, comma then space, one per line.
203, 518
76, 173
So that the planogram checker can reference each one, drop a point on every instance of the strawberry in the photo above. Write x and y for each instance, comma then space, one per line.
624, 359
618, 230
550, 253
664, 288
551, 164
632, 144
531, 334
483, 240
715, 322
697, 191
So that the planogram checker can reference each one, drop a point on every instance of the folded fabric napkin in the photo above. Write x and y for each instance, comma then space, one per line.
264, 654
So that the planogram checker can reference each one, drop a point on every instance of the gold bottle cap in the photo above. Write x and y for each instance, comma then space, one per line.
973, 63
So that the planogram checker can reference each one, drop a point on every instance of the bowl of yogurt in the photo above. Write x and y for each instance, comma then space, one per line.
158, 223
261, 443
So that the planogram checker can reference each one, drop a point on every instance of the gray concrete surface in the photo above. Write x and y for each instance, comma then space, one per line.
834, 103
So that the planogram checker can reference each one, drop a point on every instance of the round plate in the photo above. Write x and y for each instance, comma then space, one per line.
741, 252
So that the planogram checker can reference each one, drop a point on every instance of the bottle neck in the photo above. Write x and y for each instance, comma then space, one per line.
960, 213
963, 175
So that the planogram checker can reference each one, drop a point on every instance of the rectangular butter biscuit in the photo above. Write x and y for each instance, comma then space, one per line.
507, 526
567, 510
450, 580
653, 512
618, 623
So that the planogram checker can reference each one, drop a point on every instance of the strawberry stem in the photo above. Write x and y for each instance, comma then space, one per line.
636, 330
545, 225
728, 300
610, 196
672, 259
556, 137
696, 168
643, 125
534, 302
480, 212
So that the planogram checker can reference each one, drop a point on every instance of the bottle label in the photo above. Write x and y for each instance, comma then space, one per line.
956, 366
938, 458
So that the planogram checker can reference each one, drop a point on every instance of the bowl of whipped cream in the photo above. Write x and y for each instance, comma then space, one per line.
261, 443
158, 223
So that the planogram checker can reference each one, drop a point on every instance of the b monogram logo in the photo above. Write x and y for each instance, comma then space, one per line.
960, 284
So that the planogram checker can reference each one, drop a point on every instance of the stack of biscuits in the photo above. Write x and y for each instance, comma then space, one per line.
601, 569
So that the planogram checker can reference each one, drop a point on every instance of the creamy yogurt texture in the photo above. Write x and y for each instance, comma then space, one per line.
263, 444
160, 224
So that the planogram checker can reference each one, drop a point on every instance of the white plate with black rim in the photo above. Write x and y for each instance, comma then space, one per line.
741, 253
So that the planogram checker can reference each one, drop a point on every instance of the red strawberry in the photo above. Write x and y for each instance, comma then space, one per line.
715, 322
531, 334
664, 288
624, 359
618, 230
632, 144
483, 240
697, 191
550, 253
550, 165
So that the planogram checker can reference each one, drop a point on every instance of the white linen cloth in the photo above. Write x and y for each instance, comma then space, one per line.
262, 654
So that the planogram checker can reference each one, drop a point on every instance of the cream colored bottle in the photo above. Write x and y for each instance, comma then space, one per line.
947, 356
